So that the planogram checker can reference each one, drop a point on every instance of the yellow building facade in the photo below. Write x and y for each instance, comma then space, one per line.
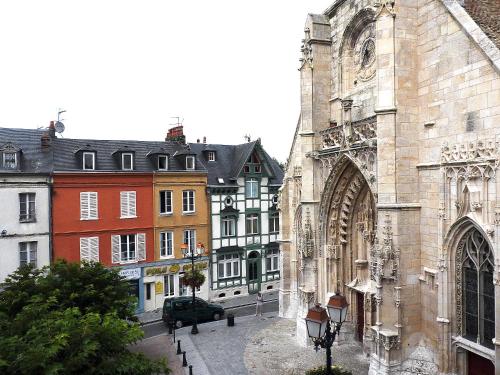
181, 216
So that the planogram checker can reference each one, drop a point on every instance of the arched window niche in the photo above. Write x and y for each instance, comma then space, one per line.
475, 296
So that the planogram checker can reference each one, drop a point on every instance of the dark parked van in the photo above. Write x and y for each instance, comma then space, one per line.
180, 310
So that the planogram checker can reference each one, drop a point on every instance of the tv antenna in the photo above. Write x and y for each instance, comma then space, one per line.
179, 121
59, 126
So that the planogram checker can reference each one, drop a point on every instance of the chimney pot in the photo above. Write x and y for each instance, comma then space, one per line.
198, 140
204, 139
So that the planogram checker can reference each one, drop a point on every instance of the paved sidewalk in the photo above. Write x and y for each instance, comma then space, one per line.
260, 346
158, 347
155, 315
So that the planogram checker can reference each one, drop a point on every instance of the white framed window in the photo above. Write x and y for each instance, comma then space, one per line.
10, 160
166, 207
211, 155
127, 161
274, 222
128, 248
162, 162
190, 239
188, 201
28, 253
168, 289
228, 265
252, 188
228, 226
252, 226
88, 205
127, 204
89, 249
88, 161
27, 207
166, 244
190, 162
272, 260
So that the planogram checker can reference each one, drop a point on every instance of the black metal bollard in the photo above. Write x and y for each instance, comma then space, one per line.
184, 362
179, 351
230, 320
190, 369
170, 329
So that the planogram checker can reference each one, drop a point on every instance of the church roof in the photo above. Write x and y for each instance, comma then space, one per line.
486, 13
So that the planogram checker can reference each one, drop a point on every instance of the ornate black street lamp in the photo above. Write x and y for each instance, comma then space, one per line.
197, 254
319, 328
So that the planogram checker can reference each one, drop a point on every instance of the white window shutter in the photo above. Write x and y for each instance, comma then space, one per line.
94, 249
93, 205
84, 249
115, 249
123, 204
141, 246
131, 203
84, 205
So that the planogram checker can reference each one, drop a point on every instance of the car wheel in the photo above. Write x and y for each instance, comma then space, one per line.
216, 316
178, 323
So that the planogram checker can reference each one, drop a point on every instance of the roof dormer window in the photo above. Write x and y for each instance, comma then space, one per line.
10, 160
190, 162
88, 161
127, 161
211, 155
162, 162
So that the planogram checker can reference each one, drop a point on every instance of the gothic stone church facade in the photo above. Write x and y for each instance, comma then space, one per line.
391, 193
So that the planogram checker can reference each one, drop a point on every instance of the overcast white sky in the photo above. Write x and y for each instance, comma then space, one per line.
123, 68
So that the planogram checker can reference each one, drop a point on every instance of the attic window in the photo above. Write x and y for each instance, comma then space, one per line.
211, 155
162, 162
190, 163
88, 161
9, 160
246, 169
127, 161
257, 169
220, 180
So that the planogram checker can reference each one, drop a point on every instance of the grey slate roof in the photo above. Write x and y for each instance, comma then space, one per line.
32, 158
230, 160
107, 154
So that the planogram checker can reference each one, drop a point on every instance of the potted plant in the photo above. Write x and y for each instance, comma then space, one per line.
193, 278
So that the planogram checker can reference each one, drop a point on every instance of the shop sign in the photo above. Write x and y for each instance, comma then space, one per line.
159, 287
152, 271
130, 273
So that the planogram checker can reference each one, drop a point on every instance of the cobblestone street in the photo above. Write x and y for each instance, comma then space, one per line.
256, 346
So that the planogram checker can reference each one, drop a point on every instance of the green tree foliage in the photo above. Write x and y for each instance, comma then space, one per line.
322, 371
69, 319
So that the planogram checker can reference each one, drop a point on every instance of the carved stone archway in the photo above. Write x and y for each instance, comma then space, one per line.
347, 230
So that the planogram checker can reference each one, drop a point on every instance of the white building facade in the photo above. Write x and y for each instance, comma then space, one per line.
25, 197
243, 197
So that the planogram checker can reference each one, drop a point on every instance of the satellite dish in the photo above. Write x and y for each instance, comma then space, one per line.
59, 126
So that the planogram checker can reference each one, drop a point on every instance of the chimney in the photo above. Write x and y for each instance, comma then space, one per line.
198, 140
176, 134
205, 140
52, 130
45, 141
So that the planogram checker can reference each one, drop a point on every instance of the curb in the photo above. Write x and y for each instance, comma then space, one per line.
225, 308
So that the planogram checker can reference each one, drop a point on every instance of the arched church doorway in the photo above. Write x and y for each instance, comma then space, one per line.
351, 220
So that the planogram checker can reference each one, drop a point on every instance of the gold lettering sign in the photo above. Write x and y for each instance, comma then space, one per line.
159, 287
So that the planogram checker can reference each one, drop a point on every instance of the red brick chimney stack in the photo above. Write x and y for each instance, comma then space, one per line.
176, 134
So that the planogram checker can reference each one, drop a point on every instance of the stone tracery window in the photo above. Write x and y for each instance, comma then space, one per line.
475, 270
